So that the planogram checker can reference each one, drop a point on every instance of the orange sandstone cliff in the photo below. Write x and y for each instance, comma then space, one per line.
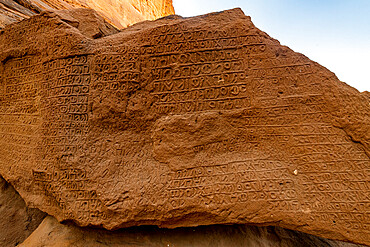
120, 13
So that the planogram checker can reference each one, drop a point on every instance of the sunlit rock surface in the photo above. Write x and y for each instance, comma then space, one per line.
120, 13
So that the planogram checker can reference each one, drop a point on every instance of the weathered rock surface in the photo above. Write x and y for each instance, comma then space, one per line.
181, 122
17, 221
51, 233
120, 13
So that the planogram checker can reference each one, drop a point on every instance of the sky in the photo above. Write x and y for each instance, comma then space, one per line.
334, 33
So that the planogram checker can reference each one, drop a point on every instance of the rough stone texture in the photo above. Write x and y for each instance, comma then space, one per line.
120, 13
181, 122
51, 233
17, 221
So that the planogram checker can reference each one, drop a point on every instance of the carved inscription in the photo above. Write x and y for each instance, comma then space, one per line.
19, 111
181, 122
235, 182
201, 71
65, 106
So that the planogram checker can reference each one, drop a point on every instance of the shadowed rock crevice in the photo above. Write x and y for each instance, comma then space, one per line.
17, 221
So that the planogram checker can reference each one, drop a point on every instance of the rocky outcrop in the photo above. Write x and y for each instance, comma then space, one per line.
178, 123
17, 221
120, 13
51, 233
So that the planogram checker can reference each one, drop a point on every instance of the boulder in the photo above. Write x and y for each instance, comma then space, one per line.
181, 122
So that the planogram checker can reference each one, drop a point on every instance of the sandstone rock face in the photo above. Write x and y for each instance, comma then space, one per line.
120, 13
51, 233
17, 221
181, 122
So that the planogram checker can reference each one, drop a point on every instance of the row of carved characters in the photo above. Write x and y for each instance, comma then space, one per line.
347, 209
68, 117
203, 46
180, 32
249, 141
194, 106
252, 137
103, 51
21, 96
62, 149
282, 70
113, 76
65, 44
27, 107
236, 91
70, 137
338, 165
235, 182
211, 56
303, 141
125, 58
232, 193
285, 85
219, 42
27, 73
249, 178
68, 99
192, 57
232, 199
275, 116
200, 82
341, 143
317, 112
346, 220
27, 127
116, 86
230, 167
16, 139
64, 72
19, 120
58, 175
224, 184
348, 185
30, 70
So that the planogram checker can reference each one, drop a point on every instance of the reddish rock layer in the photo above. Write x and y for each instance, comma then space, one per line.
181, 122
17, 222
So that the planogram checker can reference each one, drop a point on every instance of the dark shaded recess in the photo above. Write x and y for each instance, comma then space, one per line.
17, 221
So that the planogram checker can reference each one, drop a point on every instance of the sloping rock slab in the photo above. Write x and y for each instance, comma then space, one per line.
181, 122
17, 221
51, 233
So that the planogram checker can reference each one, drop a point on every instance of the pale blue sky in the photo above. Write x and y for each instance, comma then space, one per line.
334, 33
